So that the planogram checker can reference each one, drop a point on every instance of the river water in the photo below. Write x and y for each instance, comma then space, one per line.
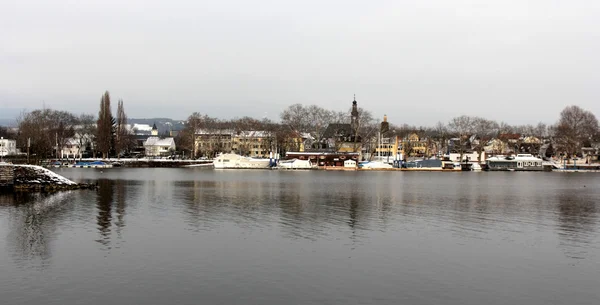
198, 236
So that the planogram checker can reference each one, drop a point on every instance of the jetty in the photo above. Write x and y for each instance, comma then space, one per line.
24, 178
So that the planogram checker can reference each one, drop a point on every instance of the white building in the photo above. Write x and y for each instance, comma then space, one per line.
470, 156
8, 147
156, 146
71, 149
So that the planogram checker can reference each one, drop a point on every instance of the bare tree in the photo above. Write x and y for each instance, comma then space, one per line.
6, 133
33, 130
484, 129
440, 132
46, 130
187, 138
462, 127
575, 129
504, 128
85, 131
295, 117
63, 124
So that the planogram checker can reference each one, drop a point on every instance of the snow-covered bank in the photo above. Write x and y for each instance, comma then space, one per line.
37, 178
27, 174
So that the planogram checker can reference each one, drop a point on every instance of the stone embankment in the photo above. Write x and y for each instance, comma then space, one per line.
36, 178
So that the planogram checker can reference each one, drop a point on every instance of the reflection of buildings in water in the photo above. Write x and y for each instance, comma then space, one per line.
33, 223
195, 196
205, 202
303, 212
577, 215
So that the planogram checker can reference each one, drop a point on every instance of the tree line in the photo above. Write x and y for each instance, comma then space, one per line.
47, 131
575, 129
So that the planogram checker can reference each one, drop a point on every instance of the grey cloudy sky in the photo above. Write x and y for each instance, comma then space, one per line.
417, 61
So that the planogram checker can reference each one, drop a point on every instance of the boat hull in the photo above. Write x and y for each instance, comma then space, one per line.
234, 161
512, 169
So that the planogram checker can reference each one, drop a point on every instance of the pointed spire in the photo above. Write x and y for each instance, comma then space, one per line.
154, 126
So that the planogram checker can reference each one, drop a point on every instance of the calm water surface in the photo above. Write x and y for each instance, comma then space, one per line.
197, 236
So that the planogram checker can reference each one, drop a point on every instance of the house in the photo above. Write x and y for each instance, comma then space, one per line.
342, 137
466, 156
156, 147
495, 147
252, 143
210, 142
414, 146
511, 138
530, 145
8, 147
338, 137
71, 149
141, 133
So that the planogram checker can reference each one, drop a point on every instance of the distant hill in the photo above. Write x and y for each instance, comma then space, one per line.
8, 122
164, 125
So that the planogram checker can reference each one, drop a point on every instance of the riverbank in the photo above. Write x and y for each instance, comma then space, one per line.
122, 162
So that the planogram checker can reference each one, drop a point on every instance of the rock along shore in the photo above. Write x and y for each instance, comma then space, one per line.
32, 178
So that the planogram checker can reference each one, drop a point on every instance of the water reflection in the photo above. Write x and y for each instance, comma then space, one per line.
104, 203
111, 205
201, 235
33, 223
577, 217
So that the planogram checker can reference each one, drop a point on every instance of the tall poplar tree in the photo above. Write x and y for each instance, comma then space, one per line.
122, 138
104, 126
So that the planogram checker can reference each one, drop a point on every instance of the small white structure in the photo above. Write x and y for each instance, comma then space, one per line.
350, 164
469, 156
295, 164
8, 147
156, 146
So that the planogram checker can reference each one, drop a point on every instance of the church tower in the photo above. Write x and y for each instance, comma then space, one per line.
354, 117
154, 131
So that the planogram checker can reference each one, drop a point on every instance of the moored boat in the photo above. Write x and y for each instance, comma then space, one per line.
295, 164
521, 162
374, 165
235, 161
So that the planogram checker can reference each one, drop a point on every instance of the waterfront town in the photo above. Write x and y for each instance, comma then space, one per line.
348, 136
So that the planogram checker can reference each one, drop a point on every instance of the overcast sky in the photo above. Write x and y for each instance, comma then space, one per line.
417, 61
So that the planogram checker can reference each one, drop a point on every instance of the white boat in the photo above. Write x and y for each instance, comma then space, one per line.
475, 167
374, 165
522, 162
295, 164
236, 161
